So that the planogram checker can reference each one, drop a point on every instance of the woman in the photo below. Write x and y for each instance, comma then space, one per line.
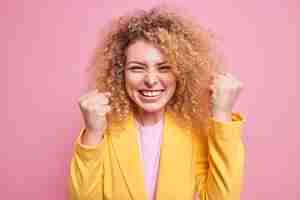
160, 123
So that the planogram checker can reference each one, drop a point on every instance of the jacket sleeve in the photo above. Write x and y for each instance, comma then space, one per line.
220, 160
86, 170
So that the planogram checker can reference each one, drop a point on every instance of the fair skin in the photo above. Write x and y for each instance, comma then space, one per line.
150, 84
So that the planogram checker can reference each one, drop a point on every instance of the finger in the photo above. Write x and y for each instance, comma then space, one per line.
212, 87
108, 109
103, 110
92, 91
236, 81
98, 99
88, 94
213, 91
219, 75
218, 79
107, 94
231, 77
104, 95
223, 72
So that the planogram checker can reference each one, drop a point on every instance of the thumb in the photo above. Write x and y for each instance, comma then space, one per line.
107, 94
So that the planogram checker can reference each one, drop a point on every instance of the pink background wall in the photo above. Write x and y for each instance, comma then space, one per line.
46, 45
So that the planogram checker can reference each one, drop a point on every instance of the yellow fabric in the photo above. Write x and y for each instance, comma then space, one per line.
190, 162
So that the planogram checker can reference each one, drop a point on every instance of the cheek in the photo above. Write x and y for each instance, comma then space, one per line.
131, 84
173, 88
171, 83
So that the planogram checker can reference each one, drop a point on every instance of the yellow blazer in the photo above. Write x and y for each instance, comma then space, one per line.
190, 162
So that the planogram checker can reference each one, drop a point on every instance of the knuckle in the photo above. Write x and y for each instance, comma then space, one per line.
82, 104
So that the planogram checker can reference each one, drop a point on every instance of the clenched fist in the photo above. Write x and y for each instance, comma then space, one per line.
94, 106
225, 90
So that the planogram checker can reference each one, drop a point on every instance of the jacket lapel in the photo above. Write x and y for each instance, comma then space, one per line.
175, 161
125, 144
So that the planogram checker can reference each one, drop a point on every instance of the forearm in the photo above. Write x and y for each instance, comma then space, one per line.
225, 162
86, 170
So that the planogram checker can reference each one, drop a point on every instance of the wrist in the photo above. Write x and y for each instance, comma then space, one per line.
91, 137
222, 115
93, 132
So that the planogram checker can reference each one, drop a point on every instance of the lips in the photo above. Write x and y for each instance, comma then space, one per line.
151, 93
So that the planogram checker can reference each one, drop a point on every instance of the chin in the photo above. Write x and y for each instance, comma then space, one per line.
151, 108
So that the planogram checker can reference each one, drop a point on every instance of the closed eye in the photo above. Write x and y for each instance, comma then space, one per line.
165, 68
136, 68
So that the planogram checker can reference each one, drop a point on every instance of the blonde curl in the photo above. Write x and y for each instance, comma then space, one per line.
185, 44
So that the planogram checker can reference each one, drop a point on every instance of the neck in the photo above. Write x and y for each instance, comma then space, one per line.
148, 118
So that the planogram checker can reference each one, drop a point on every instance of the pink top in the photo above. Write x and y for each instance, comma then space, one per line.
149, 144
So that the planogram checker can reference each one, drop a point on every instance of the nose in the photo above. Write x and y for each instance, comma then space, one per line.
151, 79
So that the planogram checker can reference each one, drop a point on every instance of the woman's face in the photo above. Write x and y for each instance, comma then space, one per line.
149, 79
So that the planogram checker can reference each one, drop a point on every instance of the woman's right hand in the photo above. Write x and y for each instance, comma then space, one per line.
94, 106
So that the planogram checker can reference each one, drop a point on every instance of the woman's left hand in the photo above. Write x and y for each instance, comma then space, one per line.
225, 90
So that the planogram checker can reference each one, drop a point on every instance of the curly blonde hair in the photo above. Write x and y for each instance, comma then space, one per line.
186, 45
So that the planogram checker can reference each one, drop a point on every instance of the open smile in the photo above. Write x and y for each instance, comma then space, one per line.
151, 93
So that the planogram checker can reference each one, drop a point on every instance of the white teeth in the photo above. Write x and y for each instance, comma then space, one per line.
151, 93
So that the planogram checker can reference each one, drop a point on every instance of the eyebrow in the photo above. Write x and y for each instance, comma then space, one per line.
140, 63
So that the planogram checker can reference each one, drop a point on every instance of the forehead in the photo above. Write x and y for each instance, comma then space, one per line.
144, 51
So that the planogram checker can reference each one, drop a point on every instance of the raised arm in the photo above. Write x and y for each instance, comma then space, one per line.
86, 170
86, 167
219, 157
